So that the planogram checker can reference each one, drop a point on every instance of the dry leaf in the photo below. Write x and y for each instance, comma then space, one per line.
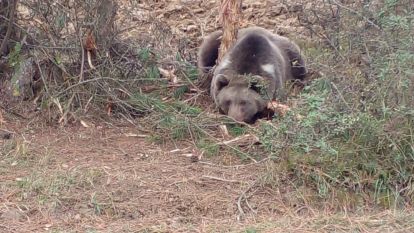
90, 46
169, 74
89, 56
224, 131
84, 124
279, 108
90, 43
109, 108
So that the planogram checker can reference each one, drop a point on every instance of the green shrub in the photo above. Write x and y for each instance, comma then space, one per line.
352, 131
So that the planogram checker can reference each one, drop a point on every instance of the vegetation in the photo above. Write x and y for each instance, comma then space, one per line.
351, 135
348, 137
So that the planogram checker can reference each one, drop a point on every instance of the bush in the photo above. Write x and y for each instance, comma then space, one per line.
352, 130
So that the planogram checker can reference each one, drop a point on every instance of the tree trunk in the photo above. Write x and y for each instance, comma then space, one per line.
8, 8
230, 18
107, 10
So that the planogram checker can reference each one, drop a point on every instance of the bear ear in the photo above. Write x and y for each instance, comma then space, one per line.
221, 81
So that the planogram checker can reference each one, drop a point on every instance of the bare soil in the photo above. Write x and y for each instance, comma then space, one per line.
111, 177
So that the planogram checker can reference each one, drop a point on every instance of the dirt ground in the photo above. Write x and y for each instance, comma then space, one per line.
114, 172
110, 177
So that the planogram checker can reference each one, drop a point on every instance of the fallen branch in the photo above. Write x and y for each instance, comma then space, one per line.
244, 197
246, 139
235, 166
221, 179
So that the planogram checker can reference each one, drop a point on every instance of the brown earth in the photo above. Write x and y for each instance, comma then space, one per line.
109, 178
135, 184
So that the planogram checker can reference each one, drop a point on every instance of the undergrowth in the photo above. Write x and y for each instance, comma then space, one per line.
351, 137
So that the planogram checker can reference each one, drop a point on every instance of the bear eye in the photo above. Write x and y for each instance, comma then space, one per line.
243, 102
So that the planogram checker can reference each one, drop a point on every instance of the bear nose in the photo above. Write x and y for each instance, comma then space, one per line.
238, 116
